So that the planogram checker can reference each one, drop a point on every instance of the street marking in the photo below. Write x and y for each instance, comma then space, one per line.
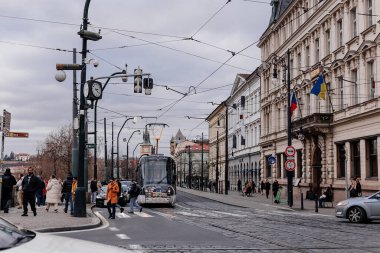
166, 215
190, 214
122, 215
114, 229
123, 236
181, 206
231, 214
144, 215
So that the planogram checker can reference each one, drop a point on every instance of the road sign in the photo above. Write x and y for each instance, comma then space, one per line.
90, 145
271, 160
17, 134
6, 121
290, 165
290, 151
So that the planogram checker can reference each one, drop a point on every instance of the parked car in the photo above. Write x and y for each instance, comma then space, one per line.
359, 209
18, 240
127, 183
123, 198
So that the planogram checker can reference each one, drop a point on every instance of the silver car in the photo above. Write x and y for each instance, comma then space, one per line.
359, 209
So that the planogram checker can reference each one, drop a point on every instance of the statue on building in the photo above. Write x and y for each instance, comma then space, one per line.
274, 4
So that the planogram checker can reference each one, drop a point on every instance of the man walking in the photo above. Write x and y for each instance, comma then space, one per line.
267, 188
94, 190
6, 189
134, 192
30, 185
66, 189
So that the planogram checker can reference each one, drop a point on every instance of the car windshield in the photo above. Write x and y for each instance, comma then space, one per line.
11, 235
126, 183
104, 189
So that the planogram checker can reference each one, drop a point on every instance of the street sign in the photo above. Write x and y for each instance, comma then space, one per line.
6, 121
290, 151
90, 145
17, 134
290, 165
271, 160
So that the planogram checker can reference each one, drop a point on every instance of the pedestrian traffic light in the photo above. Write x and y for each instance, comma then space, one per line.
138, 80
148, 85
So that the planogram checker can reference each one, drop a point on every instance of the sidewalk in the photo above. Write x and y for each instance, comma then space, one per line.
257, 200
51, 221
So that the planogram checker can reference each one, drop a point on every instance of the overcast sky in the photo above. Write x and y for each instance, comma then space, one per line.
146, 33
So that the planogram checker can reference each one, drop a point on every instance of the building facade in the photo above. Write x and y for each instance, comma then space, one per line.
244, 129
338, 137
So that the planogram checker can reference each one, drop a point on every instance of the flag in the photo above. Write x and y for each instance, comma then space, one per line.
293, 104
319, 88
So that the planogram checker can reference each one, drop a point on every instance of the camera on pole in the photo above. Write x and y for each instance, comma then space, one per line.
138, 80
148, 85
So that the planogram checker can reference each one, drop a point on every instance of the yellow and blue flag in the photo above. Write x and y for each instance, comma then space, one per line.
319, 88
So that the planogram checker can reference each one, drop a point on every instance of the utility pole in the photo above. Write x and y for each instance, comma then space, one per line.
217, 163
74, 145
289, 173
189, 167
226, 179
202, 182
112, 172
105, 151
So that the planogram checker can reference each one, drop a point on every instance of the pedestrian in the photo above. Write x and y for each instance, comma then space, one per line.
19, 191
358, 187
40, 192
239, 185
209, 185
352, 188
275, 188
262, 186
111, 197
119, 195
267, 188
66, 190
30, 185
74, 188
6, 189
327, 195
94, 190
134, 192
53, 193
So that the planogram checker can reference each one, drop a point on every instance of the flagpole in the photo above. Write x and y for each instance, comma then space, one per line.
289, 173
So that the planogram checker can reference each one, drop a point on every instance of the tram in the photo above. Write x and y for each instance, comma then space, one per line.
156, 174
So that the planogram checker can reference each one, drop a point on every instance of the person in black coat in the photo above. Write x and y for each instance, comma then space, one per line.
6, 189
66, 190
30, 185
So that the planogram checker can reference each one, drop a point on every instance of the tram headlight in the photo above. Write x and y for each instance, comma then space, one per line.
170, 191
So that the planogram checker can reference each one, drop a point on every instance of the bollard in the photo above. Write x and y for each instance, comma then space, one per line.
301, 200
316, 203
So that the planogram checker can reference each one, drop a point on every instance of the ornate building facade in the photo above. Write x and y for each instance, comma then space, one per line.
337, 138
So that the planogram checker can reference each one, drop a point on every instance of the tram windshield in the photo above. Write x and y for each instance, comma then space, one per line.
158, 171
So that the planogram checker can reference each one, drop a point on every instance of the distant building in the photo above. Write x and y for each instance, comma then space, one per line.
174, 141
22, 157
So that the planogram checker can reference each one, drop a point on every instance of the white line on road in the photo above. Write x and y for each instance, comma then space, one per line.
190, 214
231, 214
123, 236
144, 215
122, 215
114, 229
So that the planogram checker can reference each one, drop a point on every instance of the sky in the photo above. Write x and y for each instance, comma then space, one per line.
181, 43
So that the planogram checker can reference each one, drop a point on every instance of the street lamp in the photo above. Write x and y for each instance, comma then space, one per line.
117, 143
133, 153
126, 173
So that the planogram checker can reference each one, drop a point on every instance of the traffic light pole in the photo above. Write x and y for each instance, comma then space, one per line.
289, 173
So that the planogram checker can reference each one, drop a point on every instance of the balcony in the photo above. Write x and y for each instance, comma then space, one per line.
315, 124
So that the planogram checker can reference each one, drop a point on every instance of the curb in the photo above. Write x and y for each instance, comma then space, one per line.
96, 222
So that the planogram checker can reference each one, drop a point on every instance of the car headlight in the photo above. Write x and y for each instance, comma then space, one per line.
342, 203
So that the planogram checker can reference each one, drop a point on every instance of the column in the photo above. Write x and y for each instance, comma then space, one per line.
324, 161
330, 159
308, 160
348, 159
282, 170
363, 164
378, 158
335, 164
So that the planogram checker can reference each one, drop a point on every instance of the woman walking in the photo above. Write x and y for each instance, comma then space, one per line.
53, 194
19, 191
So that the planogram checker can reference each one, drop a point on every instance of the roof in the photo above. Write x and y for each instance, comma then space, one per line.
278, 8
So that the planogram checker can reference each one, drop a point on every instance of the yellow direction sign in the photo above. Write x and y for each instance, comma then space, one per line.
17, 134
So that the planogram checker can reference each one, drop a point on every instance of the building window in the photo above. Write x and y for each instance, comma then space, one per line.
370, 12
307, 56
341, 160
299, 163
355, 87
372, 157
371, 79
354, 27
299, 62
355, 153
268, 167
291, 67
307, 10
308, 104
278, 166
328, 42
317, 50
340, 33
340, 93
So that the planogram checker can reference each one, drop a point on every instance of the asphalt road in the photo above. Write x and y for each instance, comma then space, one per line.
197, 224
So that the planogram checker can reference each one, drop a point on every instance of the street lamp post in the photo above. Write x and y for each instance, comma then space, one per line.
117, 145
189, 181
217, 163
127, 165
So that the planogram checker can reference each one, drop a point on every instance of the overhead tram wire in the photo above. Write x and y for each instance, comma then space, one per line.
137, 45
108, 62
36, 46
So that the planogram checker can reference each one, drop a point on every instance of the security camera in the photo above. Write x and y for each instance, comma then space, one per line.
95, 63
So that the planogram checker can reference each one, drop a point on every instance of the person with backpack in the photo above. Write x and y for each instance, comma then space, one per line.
134, 192
66, 190
30, 185
6, 189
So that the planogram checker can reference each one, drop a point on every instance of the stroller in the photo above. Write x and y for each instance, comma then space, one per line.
277, 198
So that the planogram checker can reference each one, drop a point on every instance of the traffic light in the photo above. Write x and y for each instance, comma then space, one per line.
138, 80
148, 85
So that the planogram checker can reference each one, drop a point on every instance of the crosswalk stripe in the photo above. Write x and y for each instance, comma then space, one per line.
231, 214
122, 215
113, 229
123, 236
144, 215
